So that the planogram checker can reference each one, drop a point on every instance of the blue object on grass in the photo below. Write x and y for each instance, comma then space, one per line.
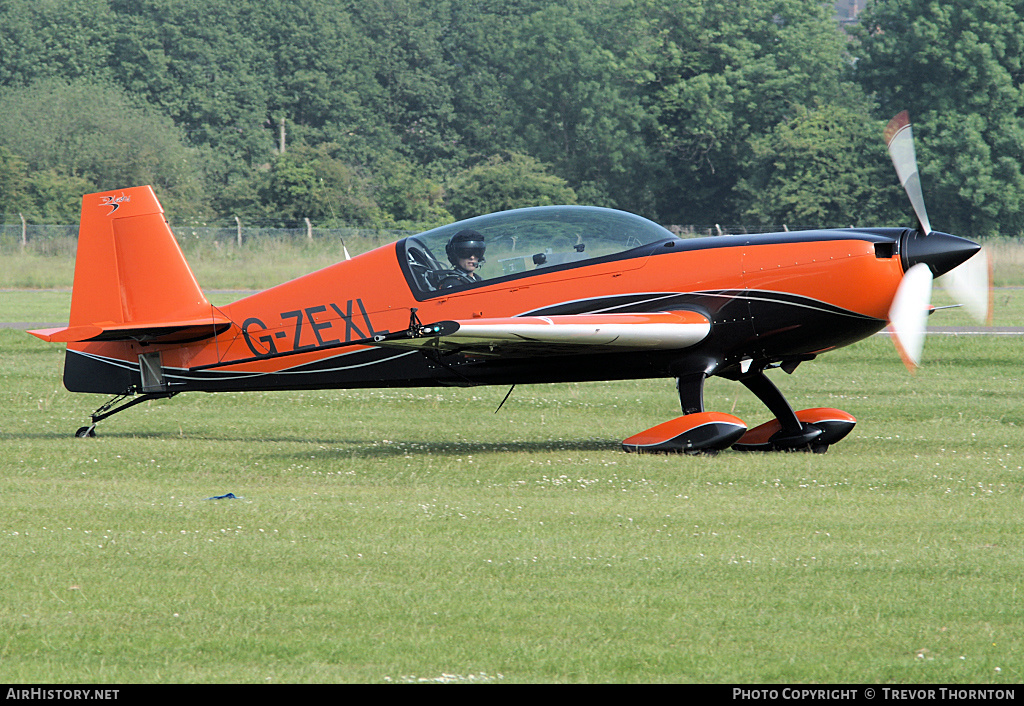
229, 496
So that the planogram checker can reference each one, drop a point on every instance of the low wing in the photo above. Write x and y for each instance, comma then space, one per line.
557, 335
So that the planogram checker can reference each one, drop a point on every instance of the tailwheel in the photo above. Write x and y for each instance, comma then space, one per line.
698, 433
111, 408
820, 428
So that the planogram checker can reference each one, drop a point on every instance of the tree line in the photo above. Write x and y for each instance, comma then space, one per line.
408, 113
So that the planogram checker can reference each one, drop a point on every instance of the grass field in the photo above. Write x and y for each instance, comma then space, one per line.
415, 535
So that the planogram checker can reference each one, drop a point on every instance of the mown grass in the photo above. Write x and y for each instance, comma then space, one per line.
256, 264
408, 535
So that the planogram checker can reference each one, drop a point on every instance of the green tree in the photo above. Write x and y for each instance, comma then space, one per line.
68, 39
505, 182
317, 183
13, 173
413, 94
97, 133
40, 196
309, 183
200, 63
476, 33
725, 74
826, 167
56, 198
408, 197
574, 103
659, 108
957, 67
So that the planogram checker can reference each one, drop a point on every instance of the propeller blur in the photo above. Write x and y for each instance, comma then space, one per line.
969, 278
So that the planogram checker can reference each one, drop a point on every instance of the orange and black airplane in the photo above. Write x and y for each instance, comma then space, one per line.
569, 293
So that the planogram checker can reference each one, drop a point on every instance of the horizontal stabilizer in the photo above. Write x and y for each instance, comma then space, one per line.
159, 332
553, 335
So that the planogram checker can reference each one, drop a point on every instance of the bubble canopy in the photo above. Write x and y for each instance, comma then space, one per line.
529, 241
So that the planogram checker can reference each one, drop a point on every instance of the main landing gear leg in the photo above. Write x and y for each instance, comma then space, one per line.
691, 393
793, 434
110, 409
807, 430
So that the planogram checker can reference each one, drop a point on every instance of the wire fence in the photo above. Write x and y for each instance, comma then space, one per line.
55, 239
240, 235
60, 239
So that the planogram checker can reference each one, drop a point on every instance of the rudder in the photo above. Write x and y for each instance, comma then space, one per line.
129, 267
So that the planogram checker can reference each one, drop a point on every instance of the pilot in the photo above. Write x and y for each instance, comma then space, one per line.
466, 253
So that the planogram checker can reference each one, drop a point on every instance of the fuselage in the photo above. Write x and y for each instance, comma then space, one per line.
770, 298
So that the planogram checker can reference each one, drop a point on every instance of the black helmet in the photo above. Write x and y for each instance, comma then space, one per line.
464, 244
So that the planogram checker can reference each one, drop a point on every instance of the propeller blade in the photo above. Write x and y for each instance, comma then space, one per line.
970, 285
900, 140
908, 314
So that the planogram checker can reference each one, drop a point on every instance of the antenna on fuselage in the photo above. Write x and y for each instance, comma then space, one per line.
507, 395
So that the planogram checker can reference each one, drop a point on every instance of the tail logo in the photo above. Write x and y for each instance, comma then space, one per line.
114, 202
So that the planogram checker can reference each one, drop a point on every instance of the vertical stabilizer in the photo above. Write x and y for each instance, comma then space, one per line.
129, 268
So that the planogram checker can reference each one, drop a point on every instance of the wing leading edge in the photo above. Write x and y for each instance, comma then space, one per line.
558, 335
